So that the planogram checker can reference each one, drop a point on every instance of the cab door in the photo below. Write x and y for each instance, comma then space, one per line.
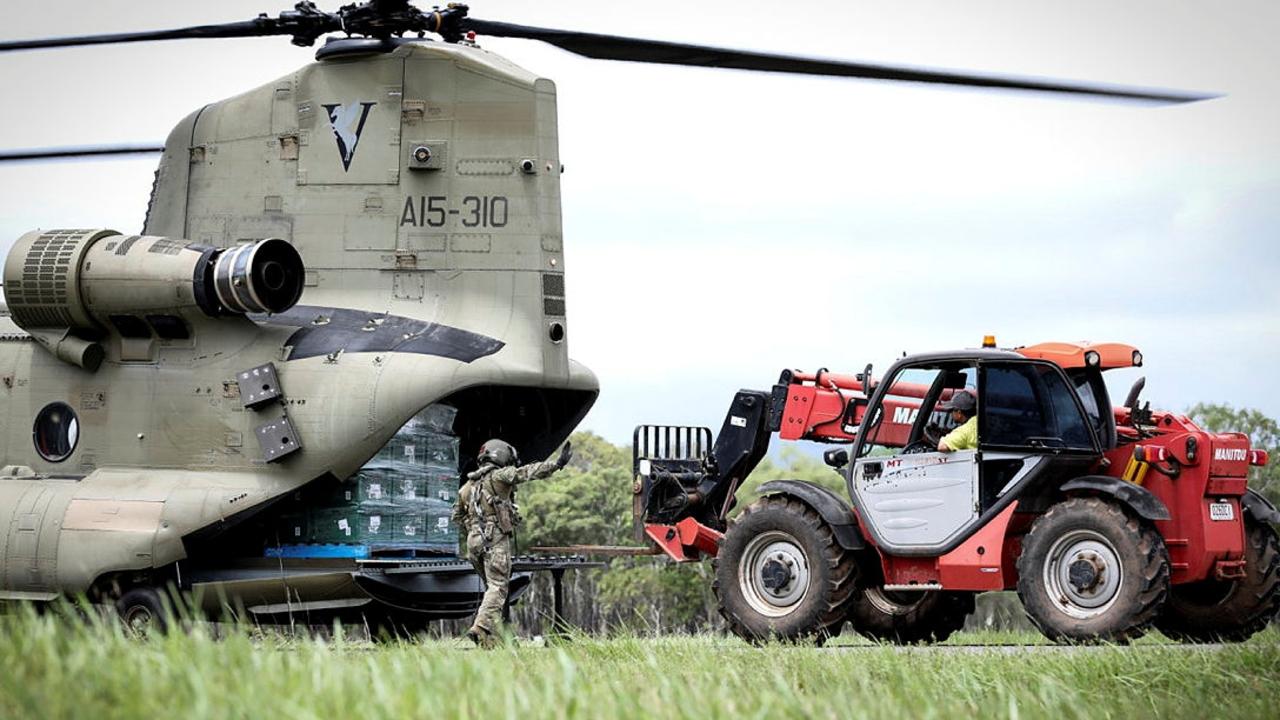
915, 499
1032, 425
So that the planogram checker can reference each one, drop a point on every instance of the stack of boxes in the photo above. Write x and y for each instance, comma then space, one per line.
401, 499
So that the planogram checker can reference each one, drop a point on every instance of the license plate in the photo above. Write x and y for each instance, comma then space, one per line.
1221, 511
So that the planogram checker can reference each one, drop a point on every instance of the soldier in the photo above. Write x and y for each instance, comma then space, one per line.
487, 515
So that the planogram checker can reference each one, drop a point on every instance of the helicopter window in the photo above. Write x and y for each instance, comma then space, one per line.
169, 327
130, 326
56, 432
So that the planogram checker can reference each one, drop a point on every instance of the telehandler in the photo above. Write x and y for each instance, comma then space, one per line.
1106, 521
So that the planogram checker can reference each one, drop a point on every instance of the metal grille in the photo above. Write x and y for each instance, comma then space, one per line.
553, 294
671, 442
39, 298
553, 285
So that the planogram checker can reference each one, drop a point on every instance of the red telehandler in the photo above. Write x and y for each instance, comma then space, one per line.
1105, 520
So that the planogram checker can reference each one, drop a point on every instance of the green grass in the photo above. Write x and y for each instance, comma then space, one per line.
59, 668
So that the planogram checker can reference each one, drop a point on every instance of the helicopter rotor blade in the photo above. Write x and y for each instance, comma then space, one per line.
35, 155
251, 28
615, 47
387, 18
304, 23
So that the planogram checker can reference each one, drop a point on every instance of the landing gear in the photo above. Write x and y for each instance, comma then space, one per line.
1233, 610
780, 574
143, 612
1091, 572
906, 618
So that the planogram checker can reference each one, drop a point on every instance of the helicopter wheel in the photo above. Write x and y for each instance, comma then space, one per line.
144, 612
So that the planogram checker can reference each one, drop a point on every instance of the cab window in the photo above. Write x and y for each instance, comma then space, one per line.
1031, 405
911, 406
1096, 402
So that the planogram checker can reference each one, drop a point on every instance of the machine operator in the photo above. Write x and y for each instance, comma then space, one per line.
487, 515
963, 406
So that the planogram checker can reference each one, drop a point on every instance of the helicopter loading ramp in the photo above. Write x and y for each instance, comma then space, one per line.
408, 592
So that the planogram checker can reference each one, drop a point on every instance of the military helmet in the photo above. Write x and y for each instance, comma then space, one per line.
498, 452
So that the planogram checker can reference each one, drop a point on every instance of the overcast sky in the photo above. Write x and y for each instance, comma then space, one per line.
720, 226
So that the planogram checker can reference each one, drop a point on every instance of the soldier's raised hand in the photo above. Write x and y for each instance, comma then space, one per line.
566, 454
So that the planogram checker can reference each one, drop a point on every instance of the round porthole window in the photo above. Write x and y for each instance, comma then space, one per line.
56, 432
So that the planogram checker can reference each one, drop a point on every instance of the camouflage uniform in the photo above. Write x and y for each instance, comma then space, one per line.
487, 514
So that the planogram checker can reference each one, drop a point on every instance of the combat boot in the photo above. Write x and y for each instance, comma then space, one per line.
482, 638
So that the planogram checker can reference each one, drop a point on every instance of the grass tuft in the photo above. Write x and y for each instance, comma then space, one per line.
61, 667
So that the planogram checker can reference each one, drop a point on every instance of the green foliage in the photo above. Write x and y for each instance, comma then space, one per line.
587, 503
796, 465
657, 595
1263, 432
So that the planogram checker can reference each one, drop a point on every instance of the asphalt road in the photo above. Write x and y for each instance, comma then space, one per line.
1019, 649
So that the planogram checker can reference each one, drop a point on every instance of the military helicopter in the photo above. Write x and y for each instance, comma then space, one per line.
323, 258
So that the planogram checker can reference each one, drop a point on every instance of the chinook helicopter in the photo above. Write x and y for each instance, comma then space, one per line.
323, 257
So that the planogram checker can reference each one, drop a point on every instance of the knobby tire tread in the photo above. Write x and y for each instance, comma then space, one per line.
1242, 616
1153, 571
841, 585
939, 615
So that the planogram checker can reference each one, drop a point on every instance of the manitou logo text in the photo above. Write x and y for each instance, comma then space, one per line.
908, 415
904, 415
347, 122
1230, 454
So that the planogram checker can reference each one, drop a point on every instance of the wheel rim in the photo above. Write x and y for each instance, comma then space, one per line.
1083, 574
774, 573
139, 620
892, 602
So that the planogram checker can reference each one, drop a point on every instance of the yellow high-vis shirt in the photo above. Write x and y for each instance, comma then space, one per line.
964, 437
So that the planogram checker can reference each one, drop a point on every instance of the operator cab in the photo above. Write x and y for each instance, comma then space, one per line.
1032, 429
1084, 363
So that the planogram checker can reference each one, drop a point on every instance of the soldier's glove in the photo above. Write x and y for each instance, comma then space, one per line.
566, 454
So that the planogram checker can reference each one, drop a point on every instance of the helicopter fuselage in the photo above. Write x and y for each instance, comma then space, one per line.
420, 187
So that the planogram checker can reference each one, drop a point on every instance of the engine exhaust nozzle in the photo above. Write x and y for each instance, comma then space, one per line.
261, 277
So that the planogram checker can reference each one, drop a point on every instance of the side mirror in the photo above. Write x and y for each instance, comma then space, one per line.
836, 458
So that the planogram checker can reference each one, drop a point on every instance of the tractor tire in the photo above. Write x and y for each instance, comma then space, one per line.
781, 575
1229, 611
143, 612
907, 618
1091, 572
